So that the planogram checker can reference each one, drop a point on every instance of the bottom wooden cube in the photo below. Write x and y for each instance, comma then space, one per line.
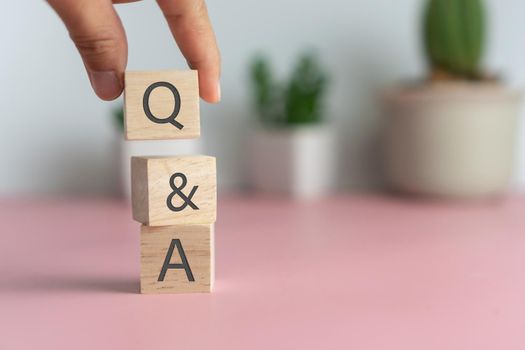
177, 259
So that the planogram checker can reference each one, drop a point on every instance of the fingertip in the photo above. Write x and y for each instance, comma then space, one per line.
210, 90
106, 84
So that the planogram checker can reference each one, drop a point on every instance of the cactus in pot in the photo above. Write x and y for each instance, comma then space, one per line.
454, 35
292, 148
453, 136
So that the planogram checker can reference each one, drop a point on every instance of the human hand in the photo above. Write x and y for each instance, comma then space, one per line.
99, 36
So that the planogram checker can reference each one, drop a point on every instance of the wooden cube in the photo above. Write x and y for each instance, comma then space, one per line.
174, 190
177, 259
161, 105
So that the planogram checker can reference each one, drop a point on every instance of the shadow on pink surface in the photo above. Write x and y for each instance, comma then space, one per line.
70, 284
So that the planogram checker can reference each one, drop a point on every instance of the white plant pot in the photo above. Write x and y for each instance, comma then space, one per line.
150, 148
299, 161
453, 140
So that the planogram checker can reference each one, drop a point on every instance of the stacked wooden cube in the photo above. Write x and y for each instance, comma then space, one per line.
175, 198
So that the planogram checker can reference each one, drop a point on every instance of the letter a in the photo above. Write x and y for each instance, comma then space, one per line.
185, 265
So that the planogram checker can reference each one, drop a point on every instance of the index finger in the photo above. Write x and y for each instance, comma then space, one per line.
190, 25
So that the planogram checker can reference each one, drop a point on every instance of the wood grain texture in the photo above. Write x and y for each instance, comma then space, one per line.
151, 189
161, 102
197, 242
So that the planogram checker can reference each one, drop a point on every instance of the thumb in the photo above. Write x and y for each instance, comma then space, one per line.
97, 32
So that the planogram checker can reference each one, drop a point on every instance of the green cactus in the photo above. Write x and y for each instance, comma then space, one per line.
455, 36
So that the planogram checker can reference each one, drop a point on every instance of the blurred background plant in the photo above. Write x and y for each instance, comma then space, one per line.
454, 137
454, 38
118, 118
293, 135
298, 101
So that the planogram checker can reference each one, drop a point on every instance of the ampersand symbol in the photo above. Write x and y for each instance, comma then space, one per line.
178, 191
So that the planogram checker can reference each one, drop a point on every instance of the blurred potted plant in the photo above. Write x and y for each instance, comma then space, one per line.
127, 149
291, 150
453, 136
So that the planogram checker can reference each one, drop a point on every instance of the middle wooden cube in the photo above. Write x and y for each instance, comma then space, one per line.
174, 190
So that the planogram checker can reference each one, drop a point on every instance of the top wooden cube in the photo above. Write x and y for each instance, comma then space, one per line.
161, 105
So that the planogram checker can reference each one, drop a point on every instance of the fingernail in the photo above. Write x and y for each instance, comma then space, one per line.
218, 91
106, 84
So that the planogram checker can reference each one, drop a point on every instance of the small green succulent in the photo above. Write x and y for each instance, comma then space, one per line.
297, 101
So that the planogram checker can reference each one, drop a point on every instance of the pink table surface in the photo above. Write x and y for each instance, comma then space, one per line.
359, 273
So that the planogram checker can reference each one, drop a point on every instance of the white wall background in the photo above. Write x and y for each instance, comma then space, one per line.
57, 137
